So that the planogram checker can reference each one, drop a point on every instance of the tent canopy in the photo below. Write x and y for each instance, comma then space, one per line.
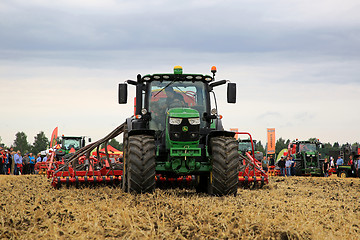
111, 150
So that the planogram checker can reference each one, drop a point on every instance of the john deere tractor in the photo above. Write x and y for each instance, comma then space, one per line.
245, 146
307, 157
70, 144
175, 132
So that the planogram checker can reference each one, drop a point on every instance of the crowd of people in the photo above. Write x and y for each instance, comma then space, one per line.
287, 165
14, 163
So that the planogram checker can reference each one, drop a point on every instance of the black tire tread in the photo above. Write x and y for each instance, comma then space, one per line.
141, 164
225, 161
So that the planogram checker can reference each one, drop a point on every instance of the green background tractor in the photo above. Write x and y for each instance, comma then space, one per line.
70, 144
175, 132
307, 157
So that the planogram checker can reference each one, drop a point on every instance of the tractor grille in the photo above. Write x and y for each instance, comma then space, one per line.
185, 132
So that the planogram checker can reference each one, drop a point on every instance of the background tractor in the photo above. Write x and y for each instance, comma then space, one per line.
307, 157
176, 133
69, 145
246, 146
347, 152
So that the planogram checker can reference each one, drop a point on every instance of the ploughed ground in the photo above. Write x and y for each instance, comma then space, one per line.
287, 208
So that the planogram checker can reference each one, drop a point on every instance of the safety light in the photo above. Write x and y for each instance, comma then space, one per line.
213, 69
137, 116
178, 70
175, 121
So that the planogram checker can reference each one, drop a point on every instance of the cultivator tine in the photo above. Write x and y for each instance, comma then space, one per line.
251, 175
74, 172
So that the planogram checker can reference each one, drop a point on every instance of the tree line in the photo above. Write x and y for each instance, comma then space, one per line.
41, 143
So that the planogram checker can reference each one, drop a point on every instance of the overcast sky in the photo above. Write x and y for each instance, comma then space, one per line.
296, 62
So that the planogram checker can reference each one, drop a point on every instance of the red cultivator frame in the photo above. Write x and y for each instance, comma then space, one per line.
251, 173
86, 169
82, 167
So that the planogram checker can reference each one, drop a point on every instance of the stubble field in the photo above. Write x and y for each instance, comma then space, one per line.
288, 208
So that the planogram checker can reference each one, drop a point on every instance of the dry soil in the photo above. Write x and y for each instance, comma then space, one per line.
287, 208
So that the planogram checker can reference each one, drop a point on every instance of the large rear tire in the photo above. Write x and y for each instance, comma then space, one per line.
225, 161
125, 157
141, 164
298, 168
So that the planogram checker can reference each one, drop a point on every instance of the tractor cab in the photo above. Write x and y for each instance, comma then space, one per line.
307, 147
245, 146
70, 144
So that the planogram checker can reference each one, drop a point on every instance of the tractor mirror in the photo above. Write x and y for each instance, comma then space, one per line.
231, 93
122, 93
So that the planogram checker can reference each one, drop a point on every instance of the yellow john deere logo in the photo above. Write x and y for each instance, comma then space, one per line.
185, 128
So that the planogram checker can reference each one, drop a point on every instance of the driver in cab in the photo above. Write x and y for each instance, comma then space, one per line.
174, 99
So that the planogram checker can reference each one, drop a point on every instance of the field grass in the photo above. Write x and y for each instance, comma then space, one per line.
287, 208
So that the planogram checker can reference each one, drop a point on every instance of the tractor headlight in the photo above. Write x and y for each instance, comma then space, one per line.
194, 121
175, 121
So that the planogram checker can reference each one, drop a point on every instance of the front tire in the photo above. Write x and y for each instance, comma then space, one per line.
140, 166
225, 162
343, 174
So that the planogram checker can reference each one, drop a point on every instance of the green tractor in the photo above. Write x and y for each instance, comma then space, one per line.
69, 145
245, 146
176, 133
349, 153
307, 157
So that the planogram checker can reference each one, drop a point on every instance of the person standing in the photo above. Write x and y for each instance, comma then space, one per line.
271, 161
288, 166
32, 164
339, 161
45, 158
332, 164
2, 160
265, 164
26, 164
326, 167
18, 163
9, 162
38, 159
281, 165
358, 166
293, 165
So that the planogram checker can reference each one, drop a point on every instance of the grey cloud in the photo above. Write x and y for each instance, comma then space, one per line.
214, 27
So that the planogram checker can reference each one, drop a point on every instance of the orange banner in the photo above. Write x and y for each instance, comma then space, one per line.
271, 141
235, 130
54, 137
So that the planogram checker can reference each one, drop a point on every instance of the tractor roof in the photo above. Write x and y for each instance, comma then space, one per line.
177, 77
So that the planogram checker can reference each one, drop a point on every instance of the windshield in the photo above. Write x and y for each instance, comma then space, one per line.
166, 94
71, 143
307, 147
245, 146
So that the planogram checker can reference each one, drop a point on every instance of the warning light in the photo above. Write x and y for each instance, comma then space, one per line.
213, 69
178, 70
